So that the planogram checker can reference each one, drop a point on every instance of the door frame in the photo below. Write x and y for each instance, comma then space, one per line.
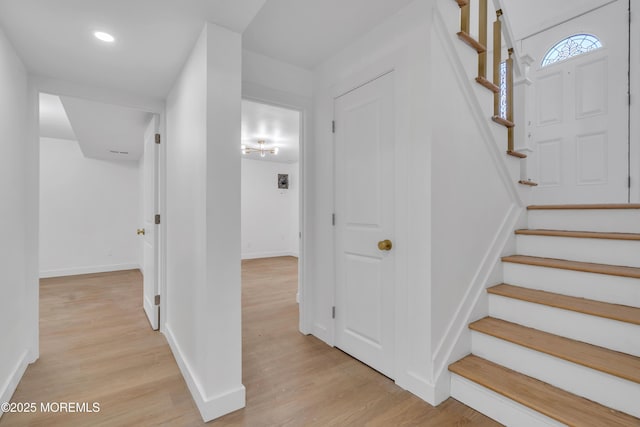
38, 85
398, 64
276, 99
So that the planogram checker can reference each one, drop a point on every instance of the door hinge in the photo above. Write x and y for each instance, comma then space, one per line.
333, 312
333, 219
157, 219
157, 300
157, 138
333, 126
299, 234
629, 182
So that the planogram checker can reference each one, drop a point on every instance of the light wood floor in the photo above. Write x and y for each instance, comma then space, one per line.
96, 346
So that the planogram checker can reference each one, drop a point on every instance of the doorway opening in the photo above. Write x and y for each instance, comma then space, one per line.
99, 194
271, 197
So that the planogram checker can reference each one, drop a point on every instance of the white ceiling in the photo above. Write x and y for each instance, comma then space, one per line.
54, 122
279, 127
307, 32
107, 132
100, 129
153, 38
530, 17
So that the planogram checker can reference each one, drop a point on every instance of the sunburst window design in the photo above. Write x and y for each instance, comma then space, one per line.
575, 45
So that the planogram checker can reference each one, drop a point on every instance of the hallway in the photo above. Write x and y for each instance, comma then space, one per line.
96, 346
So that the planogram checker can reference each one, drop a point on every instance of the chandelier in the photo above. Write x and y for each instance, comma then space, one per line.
259, 149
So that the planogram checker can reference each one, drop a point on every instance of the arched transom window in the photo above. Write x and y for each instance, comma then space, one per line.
570, 47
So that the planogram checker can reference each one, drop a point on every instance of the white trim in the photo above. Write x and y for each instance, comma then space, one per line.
634, 131
88, 270
444, 353
10, 385
210, 407
258, 255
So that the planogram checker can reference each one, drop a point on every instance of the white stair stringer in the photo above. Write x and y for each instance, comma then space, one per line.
611, 334
599, 220
599, 251
609, 390
497, 406
599, 287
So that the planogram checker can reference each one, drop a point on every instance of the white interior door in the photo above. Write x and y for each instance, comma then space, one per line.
364, 205
150, 209
579, 125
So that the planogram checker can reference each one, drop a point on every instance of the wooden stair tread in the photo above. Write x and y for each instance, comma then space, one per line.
551, 401
621, 365
528, 182
588, 267
465, 37
489, 85
584, 207
502, 121
621, 313
517, 154
580, 234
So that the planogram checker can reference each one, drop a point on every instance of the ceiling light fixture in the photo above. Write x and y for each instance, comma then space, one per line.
105, 37
260, 149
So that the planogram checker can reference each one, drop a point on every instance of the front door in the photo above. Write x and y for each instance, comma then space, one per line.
579, 125
364, 223
150, 209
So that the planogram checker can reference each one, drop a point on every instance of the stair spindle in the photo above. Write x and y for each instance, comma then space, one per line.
510, 141
465, 17
482, 38
497, 60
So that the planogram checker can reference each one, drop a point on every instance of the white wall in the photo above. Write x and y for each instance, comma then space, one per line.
18, 284
269, 214
88, 212
203, 311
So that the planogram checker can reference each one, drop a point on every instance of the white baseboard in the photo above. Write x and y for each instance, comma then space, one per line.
419, 386
9, 386
87, 270
257, 255
210, 407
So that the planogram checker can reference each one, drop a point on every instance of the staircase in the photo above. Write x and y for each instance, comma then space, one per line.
561, 344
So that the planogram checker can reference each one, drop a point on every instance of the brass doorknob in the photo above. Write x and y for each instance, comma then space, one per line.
140, 232
385, 245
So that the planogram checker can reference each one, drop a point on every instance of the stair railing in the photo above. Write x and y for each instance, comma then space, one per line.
506, 117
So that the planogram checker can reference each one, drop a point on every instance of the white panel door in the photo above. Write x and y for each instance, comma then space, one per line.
579, 125
364, 208
150, 209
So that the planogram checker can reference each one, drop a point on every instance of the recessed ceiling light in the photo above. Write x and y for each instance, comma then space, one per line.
105, 37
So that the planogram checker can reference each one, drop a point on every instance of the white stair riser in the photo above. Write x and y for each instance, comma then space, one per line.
603, 220
608, 390
601, 251
496, 406
619, 336
599, 287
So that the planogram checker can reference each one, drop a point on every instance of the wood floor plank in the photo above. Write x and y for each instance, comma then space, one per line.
588, 267
553, 402
96, 345
617, 312
602, 359
579, 234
